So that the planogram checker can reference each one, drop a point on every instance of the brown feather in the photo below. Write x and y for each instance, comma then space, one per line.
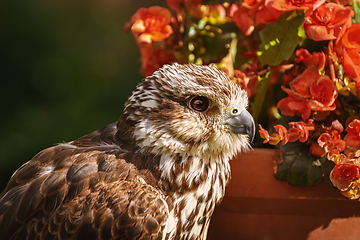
157, 173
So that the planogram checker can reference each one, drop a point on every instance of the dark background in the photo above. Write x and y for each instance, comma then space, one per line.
66, 69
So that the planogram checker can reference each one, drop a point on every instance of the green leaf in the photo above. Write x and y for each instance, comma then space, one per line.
327, 167
261, 88
298, 174
356, 8
301, 168
285, 166
280, 39
315, 172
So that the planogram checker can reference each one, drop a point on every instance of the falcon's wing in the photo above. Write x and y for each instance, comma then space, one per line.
92, 192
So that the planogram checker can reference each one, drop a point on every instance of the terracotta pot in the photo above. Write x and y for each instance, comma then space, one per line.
259, 207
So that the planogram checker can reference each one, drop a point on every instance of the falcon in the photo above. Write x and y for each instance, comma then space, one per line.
156, 173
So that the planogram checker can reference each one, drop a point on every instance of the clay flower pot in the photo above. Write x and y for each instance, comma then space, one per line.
257, 206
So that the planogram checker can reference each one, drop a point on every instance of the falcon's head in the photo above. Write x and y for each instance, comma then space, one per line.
188, 110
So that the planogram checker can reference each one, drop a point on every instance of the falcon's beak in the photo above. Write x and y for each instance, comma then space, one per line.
242, 124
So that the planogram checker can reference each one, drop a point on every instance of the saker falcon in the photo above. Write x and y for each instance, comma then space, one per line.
157, 173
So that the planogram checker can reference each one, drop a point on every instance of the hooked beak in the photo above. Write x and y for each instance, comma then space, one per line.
242, 124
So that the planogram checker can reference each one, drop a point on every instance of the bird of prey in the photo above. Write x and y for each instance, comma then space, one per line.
156, 173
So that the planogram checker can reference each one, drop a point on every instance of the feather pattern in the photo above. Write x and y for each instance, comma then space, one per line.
156, 173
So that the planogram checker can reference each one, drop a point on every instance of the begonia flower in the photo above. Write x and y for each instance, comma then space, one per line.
264, 134
277, 7
315, 59
316, 150
176, 4
298, 131
346, 172
329, 21
350, 51
151, 24
244, 20
324, 92
352, 137
301, 85
289, 106
274, 138
154, 59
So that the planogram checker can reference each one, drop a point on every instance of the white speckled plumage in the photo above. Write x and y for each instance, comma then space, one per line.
155, 174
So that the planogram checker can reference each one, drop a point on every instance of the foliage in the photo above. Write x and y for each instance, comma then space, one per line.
299, 62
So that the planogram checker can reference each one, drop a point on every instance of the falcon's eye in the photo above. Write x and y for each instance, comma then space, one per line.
199, 103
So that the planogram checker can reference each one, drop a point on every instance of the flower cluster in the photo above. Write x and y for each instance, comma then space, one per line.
298, 60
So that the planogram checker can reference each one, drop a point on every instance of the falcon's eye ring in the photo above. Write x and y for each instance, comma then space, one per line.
199, 103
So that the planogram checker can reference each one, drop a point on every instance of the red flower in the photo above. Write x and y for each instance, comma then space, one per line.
352, 137
247, 83
316, 150
350, 43
151, 24
274, 138
176, 4
264, 134
300, 85
351, 63
266, 15
154, 59
338, 127
329, 143
243, 20
324, 93
309, 92
277, 7
315, 60
291, 105
298, 131
251, 12
282, 134
351, 37
346, 172
329, 21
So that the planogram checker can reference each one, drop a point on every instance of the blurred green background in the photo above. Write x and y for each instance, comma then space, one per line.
66, 70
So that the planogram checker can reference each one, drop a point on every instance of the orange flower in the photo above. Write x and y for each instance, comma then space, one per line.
338, 127
350, 43
329, 21
243, 20
265, 15
351, 37
316, 59
346, 172
291, 105
300, 86
298, 131
154, 59
282, 134
247, 83
151, 24
330, 144
264, 134
277, 7
352, 137
176, 4
316, 150
274, 138
351, 63
324, 93
251, 12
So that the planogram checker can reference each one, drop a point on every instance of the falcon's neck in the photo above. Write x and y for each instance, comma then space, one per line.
198, 186
194, 185
181, 167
